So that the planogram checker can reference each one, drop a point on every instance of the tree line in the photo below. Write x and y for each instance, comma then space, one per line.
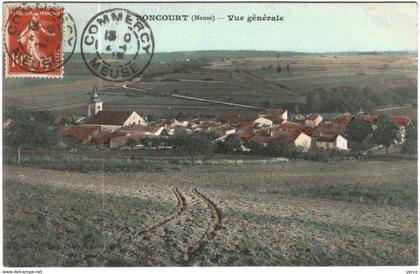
352, 99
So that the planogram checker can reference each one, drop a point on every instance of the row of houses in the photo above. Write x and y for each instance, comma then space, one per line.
117, 128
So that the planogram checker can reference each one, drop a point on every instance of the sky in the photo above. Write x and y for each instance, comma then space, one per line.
307, 27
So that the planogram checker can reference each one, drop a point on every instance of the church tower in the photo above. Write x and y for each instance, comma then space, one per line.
95, 102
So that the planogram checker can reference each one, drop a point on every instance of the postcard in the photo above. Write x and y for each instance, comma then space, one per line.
274, 134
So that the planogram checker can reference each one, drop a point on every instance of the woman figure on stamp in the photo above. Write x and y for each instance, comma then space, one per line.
33, 37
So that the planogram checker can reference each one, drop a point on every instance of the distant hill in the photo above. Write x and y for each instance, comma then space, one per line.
213, 55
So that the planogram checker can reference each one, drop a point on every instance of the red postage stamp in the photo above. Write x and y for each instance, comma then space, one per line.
33, 42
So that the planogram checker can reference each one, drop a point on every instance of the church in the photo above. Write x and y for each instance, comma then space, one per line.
109, 120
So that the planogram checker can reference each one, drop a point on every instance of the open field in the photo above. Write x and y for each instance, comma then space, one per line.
296, 213
308, 73
410, 111
252, 81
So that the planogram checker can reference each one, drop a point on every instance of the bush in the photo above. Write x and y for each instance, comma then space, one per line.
231, 144
192, 144
316, 154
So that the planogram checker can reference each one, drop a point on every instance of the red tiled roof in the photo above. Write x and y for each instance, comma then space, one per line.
285, 137
101, 139
371, 119
247, 126
80, 133
208, 125
106, 138
332, 128
109, 118
343, 119
278, 121
262, 132
309, 130
246, 135
124, 139
401, 121
328, 138
294, 128
227, 127
168, 122
260, 139
141, 128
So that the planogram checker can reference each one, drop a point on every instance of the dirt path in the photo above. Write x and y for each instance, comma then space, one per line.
190, 254
393, 108
201, 99
193, 214
180, 208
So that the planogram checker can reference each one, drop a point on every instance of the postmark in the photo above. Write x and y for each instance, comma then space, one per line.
117, 45
34, 42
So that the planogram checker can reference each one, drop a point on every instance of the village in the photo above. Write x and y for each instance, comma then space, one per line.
117, 129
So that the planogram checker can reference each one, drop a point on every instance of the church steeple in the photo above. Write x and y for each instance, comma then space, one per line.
95, 102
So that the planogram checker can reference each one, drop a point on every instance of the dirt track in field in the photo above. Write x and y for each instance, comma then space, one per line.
189, 215
205, 219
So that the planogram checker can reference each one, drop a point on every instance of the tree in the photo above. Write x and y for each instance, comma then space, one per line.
410, 145
229, 145
192, 144
26, 128
275, 148
255, 148
358, 133
386, 133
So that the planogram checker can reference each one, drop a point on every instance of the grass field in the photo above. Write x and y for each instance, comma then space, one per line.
247, 81
308, 73
296, 213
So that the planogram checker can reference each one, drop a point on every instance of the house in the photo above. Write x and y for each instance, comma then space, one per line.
118, 141
344, 119
262, 131
236, 120
313, 120
170, 123
401, 122
247, 126
279, 121
224, 131
293, 127
246, 135
192, 125
83, 134
372, 120
274, 113
143, 130
105, 138
331, 128
297, 138
260, 139
262, 121
207, 126
113, 120
332, 141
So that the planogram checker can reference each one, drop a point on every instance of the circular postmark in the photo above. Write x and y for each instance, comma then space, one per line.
70, 36
117, 45
35, 42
